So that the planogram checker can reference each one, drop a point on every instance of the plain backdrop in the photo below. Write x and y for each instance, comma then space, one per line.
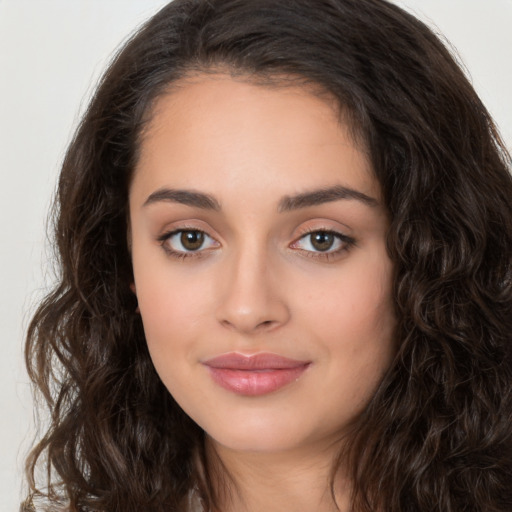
52, 53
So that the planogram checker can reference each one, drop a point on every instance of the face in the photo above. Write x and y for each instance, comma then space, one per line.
260, 268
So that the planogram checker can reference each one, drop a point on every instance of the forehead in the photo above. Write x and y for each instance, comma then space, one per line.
215, 126
220, 96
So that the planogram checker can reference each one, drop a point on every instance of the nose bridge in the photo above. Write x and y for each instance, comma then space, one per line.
251, 300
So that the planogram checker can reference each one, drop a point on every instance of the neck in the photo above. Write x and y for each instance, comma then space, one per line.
255, 481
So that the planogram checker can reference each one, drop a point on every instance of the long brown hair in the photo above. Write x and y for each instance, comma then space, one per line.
437, 435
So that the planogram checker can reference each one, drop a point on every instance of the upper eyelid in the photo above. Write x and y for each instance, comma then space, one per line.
168, 232
314, 224
341, 236
309, 231
171, 232
304, 232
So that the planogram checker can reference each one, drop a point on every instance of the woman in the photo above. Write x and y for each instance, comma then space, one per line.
285, 232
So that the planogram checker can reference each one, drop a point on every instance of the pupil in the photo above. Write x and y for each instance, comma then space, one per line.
322, 241
192, 240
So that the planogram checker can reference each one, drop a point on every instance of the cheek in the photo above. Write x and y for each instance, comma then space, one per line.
169, 306
174, 313
354, 322
168, 320
171, 323
171, 297
356, 304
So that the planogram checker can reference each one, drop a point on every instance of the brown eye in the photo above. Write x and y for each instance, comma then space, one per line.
322, 240
192, 240
323, 243
187, 242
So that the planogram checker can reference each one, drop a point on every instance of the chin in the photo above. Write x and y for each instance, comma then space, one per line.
266, 435
260, 442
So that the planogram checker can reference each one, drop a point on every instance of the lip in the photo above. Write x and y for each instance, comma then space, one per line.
254, 375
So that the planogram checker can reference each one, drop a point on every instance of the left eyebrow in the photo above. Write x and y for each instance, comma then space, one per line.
324, 195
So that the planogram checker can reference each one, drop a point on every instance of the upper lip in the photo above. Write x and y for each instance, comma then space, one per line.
261, 361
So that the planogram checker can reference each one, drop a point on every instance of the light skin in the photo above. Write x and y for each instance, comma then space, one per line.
256, 226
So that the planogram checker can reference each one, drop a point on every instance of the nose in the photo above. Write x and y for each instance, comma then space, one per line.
252, 300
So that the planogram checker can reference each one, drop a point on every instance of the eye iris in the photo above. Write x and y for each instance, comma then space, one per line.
322, 241
192, 240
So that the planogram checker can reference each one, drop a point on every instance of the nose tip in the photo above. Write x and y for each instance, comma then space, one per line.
252, 300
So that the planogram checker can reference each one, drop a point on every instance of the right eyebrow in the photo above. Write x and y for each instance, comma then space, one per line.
187, 197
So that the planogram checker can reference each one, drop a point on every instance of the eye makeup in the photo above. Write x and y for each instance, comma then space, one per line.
189, 242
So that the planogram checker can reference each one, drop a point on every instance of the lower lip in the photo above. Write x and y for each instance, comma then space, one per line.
255, 382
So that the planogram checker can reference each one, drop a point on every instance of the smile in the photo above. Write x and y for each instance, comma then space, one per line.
254, 375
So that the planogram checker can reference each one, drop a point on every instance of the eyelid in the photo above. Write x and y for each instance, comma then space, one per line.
343, 242
347, 242
164, 238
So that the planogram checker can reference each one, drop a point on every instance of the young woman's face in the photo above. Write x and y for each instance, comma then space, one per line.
258, 242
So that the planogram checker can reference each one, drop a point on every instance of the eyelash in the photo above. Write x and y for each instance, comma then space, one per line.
346, 241
181, 255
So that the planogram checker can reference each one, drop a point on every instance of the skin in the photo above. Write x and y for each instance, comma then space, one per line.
258, 283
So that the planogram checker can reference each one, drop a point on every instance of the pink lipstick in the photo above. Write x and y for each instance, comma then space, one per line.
254, 375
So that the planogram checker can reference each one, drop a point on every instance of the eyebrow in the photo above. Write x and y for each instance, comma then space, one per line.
324, 195
287, 203
187, 197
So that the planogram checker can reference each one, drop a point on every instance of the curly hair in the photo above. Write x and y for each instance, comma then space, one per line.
437, 434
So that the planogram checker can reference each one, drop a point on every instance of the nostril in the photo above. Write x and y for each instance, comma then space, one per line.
266, 324
227, 323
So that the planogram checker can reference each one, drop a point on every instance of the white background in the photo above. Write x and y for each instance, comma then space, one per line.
51, 55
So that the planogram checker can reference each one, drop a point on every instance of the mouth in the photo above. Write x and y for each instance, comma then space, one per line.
254, 375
